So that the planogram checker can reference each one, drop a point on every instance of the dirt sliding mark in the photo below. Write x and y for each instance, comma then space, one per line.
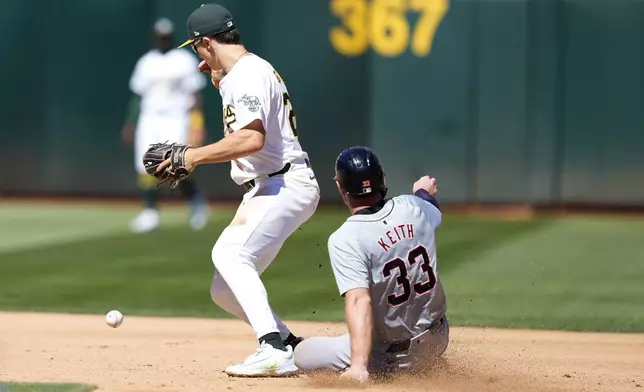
172, 354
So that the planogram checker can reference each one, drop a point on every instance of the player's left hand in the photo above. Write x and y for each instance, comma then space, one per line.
360, 375
427, 183
169, 162
188, 161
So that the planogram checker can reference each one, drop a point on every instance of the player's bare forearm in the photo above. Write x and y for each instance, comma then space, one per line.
238, 144
360, 323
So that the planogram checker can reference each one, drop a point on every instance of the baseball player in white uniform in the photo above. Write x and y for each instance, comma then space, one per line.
384, 261
166, 105
267, 160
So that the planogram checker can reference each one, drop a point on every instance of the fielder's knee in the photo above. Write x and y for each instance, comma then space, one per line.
221, 250
228, 254
227, 262
221, 257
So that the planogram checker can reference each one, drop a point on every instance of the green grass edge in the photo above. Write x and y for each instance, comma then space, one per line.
46, 387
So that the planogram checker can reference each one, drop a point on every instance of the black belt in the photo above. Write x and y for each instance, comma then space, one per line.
405, 344
248, 185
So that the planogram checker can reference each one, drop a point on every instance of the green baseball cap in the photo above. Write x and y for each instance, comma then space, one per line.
209, 19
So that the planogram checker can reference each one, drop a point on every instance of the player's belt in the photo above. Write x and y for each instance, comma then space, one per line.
405, 344
248, 185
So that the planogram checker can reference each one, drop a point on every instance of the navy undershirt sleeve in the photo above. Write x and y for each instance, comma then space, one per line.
423, 194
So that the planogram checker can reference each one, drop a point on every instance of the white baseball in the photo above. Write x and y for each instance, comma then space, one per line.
114, 318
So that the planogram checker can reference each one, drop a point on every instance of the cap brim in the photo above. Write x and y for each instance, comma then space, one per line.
188, 42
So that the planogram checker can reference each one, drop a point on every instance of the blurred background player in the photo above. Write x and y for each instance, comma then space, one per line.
166, 106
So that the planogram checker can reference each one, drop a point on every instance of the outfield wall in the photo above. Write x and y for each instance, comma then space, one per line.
510, 101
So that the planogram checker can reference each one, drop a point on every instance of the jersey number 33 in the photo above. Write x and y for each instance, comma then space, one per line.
418, 254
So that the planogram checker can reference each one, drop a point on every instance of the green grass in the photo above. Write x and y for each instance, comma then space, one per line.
576, 274
24, 387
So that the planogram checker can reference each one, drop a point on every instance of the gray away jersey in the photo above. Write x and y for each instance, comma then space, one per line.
392, 252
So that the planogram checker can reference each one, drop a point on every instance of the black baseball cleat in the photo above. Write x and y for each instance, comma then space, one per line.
292, 341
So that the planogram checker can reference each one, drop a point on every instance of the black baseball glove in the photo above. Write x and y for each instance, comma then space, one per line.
159, 152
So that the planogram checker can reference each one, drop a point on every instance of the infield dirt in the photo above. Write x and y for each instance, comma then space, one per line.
187, 354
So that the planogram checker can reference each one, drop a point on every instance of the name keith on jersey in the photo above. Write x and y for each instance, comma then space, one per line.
398, 233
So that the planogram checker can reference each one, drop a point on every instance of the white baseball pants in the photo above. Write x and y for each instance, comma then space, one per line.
267, 216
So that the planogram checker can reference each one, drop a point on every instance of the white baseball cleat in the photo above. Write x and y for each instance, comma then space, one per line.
266, 362
199, 218
147, 220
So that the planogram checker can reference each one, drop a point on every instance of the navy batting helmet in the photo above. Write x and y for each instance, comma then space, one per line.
359, 172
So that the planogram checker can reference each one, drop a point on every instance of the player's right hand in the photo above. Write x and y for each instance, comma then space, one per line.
427, 183
215, 74
204, 67
356, 374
